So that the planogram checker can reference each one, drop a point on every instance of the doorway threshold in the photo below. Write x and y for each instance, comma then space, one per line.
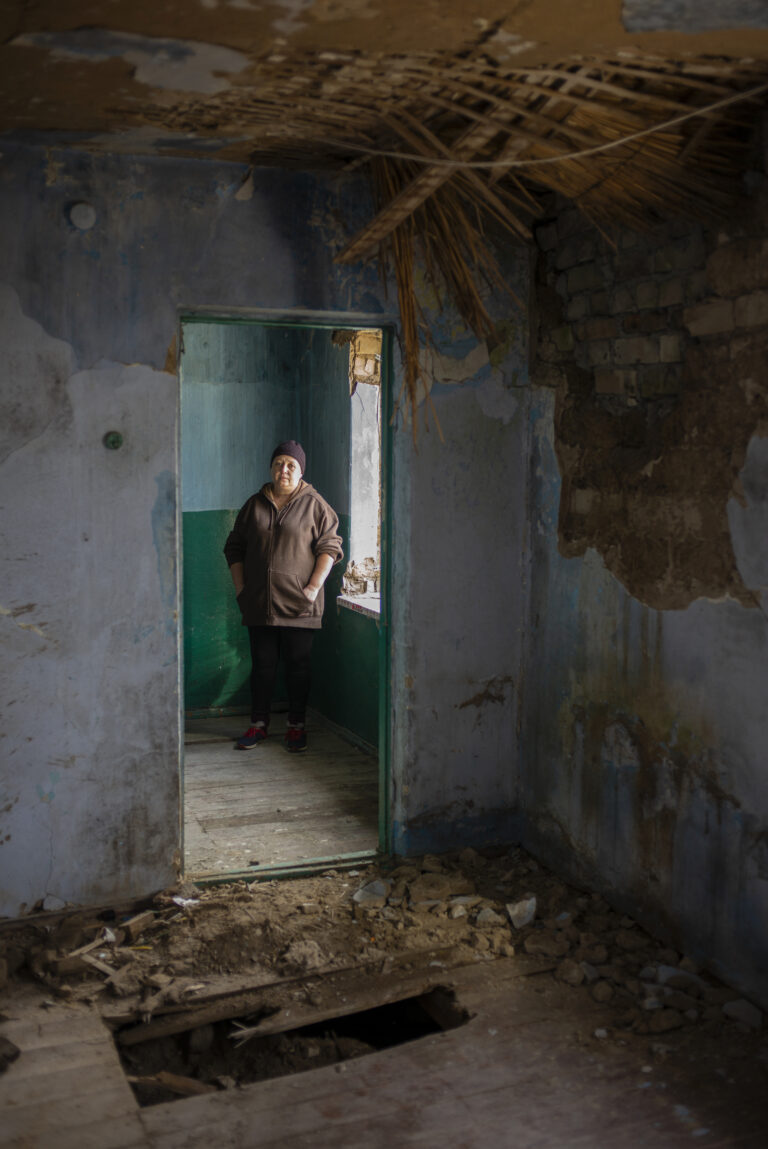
307, 868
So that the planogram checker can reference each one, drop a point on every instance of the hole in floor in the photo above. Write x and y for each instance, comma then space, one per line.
214, 1057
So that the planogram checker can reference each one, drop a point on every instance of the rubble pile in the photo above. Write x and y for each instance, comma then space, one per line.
434, 911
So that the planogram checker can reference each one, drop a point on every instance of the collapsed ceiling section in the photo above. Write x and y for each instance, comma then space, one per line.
457, 110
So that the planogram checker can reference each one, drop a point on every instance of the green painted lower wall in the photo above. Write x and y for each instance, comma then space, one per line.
216, 657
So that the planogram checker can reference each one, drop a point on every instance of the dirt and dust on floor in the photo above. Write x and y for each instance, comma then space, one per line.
209, 988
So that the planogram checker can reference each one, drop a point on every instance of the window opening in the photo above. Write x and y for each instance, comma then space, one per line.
361, 584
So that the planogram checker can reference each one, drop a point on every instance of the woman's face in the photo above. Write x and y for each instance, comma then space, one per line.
286, 474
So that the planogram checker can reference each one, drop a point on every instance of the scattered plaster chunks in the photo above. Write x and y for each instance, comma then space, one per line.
489, 917
602, 991
523, 912
431, 887
547, 944
676, 978
631, 940
373, 895
744, 1012
663, 1020
570, 971
304, 954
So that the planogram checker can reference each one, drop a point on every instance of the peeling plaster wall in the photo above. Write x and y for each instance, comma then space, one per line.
645, 725
459, 588
89, 732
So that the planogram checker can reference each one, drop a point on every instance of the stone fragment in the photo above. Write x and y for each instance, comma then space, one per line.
439, 887
469, 857
431, 864
489, 917
664, 1020
373, 894
677, 978
743, 1011
688, 965
547, 944
590, 973
570, 972
523, 912
594, 954
631, 940
457, 911
602, 991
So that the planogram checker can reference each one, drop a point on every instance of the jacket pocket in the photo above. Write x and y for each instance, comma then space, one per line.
288, 598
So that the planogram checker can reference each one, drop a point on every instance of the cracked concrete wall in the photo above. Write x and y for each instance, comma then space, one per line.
643, 744
89, 735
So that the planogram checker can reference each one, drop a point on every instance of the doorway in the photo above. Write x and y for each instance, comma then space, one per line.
247, 384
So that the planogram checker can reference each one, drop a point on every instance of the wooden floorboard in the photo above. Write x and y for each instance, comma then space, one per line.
521, 1074
268, 807
66, 1090
514, 1077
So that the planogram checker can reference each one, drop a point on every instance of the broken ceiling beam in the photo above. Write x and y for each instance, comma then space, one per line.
416, 192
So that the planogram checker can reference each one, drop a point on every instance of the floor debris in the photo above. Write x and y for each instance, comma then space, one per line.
272, 959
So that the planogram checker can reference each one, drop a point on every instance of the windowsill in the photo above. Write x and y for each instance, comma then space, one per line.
367, 604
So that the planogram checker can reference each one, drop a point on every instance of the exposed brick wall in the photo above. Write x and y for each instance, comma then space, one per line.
657, 344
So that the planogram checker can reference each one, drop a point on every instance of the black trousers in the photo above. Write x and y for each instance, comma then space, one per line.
268, 643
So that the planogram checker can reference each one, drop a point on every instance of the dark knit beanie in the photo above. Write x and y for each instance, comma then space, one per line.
292, 448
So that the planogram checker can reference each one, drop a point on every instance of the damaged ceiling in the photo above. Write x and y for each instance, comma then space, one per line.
297, 80
458, 110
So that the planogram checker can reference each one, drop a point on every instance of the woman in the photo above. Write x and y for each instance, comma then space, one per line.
280, 552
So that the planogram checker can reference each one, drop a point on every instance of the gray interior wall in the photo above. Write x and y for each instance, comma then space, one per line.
459, 594
89, 602
89, 585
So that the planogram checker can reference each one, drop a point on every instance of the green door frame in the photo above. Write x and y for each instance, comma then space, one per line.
326, 321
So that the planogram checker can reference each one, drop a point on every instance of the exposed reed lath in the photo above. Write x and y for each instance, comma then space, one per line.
454, 141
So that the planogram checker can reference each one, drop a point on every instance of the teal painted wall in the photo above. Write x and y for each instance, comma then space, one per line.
216, 657
246, 386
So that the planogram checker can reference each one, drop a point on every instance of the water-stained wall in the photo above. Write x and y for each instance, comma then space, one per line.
645, 727
89, 598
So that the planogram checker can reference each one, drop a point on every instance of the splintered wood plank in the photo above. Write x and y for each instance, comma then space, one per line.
269, 807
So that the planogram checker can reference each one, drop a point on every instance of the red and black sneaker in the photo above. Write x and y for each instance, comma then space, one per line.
295, 739
253, 737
